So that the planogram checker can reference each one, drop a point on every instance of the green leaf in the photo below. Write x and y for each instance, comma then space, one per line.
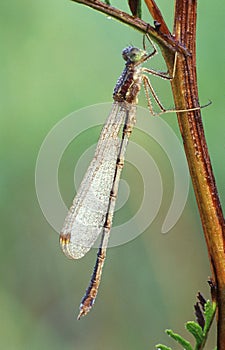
196, 331
186, 345
107, 2
209, 312
162, 347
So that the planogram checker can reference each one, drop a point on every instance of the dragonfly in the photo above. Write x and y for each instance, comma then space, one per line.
92, 210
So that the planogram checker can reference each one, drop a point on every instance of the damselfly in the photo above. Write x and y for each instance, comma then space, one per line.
92, 210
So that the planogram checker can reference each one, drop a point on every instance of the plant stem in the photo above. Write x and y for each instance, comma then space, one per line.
163, 40
186, 96
156, 14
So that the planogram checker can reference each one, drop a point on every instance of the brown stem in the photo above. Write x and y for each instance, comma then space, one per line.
163, 40
186, 96
156, 14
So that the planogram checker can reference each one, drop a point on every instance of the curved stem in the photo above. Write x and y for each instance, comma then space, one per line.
163, 40
186, 96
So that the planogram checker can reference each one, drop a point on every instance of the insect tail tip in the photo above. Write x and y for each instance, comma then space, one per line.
82, 312
79, 316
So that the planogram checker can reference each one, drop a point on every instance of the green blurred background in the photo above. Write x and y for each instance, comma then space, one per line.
56, 57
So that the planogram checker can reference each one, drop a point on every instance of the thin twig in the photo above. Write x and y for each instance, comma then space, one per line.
163, 40
156, 14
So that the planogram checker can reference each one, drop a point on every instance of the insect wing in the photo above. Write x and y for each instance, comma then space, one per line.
87, 214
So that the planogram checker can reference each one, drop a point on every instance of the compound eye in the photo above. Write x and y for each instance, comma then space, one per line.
132, 54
